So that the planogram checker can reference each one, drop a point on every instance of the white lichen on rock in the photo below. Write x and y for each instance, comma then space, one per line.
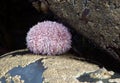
117, 80
63, 69
17, 79
102, 74
59, 69
9, 62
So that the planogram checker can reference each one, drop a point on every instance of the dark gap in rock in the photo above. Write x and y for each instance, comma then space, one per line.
17, 17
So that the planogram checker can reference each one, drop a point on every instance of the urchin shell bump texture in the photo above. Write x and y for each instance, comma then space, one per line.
49, 38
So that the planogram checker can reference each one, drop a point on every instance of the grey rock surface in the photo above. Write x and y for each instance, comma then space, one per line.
20, 67
97, 20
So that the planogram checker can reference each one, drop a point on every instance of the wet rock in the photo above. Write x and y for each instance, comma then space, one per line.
21, 66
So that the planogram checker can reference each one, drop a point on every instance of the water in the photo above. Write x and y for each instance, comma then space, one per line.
32, 73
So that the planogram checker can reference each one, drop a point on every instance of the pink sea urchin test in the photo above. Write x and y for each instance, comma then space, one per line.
49, 38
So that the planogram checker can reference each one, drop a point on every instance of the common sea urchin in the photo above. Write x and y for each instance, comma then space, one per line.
49, 38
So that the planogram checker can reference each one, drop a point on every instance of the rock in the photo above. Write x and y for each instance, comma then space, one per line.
65, 69
19, 66
94, 25
96, 20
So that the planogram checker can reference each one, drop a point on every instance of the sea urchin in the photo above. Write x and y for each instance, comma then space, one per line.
49, 38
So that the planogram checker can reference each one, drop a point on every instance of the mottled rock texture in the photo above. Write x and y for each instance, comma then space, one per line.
58, 69
97, 20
